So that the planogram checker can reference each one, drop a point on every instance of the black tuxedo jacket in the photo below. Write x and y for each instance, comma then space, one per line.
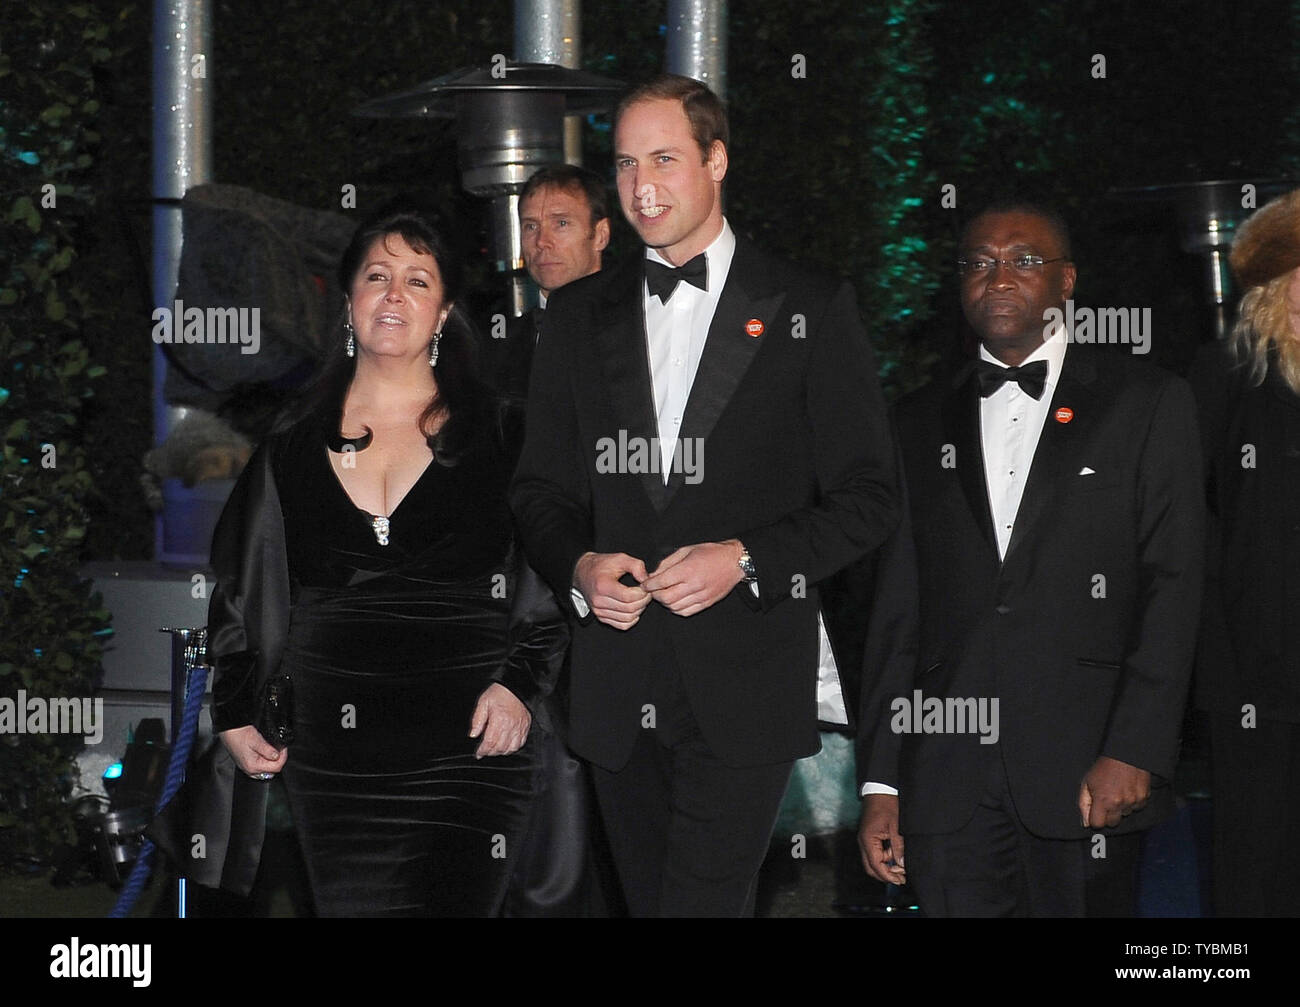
1250, 633
508, 360
1084, 634
796, 463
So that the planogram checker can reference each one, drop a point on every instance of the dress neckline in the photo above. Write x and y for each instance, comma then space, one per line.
376, 518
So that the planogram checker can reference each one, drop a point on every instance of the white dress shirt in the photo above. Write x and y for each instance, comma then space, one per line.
1011, 422
675, 336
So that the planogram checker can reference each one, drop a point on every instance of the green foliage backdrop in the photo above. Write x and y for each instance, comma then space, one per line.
50, 644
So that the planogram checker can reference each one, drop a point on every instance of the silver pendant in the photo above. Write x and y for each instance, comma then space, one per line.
380, 525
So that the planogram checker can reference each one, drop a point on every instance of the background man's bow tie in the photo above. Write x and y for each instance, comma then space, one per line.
662, 280
1032, 377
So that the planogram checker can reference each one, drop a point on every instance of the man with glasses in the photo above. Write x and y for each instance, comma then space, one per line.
1036, 612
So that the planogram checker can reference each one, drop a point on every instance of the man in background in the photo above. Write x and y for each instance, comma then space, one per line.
562, 869
564, 217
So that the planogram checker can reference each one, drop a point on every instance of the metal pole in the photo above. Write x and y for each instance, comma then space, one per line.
550, 31
189, 649
182, 157
697, 42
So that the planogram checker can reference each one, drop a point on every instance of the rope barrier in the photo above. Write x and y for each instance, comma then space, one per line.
195, 685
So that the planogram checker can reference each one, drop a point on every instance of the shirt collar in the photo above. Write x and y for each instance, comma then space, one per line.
1052, 350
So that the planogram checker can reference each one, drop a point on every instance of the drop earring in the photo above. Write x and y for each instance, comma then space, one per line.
433, 349
350, 347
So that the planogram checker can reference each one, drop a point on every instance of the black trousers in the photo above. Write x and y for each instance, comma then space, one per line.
688, 833
1256, 817
993, 866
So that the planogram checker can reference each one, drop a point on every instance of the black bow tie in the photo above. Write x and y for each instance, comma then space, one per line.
662, 280
1032, 378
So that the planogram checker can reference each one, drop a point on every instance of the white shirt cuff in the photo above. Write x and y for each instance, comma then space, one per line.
877, 788
579, 603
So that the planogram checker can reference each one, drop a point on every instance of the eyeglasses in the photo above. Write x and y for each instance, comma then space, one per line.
1022, 264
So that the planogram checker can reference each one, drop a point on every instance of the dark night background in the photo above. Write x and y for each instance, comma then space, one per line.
842, 169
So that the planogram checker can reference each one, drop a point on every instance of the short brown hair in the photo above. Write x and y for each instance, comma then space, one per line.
703, 108
1030, 204
574, 179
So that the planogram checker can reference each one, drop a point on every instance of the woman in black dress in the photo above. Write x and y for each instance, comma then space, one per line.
417, 638
1249, 659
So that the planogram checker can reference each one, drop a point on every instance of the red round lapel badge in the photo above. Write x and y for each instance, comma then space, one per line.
754, 327
1064, 414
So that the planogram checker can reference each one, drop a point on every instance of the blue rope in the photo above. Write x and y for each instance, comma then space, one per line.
195, 685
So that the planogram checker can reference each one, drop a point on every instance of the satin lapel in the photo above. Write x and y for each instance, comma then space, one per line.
1058, 454
729, 349
625, 363
961, 429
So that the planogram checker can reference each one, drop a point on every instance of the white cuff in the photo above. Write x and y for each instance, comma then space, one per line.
579, 603
877, 788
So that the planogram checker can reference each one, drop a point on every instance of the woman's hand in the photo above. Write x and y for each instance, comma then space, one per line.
253, 753
502, 720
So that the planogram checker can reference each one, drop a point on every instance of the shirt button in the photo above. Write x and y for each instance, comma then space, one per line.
1003, 609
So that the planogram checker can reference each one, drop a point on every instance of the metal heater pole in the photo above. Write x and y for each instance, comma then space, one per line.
697, 42
550, 31
182, 157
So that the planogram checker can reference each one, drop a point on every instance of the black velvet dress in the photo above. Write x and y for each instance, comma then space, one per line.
389, 648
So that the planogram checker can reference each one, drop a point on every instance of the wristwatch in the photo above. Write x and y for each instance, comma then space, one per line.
747, 566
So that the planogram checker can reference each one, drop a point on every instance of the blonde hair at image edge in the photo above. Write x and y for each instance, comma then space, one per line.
1264, 324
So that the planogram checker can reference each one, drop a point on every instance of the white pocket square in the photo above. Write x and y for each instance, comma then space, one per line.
1085, 471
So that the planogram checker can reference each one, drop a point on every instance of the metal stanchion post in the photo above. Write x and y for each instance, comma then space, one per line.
189, 651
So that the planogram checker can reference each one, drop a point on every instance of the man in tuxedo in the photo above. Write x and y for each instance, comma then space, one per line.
706, 442
562, 868
564, 220
1035, 614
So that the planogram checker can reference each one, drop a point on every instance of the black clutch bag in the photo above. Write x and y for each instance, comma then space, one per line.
275, 718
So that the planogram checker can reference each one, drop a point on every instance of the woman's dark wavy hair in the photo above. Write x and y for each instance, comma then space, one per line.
462, 397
